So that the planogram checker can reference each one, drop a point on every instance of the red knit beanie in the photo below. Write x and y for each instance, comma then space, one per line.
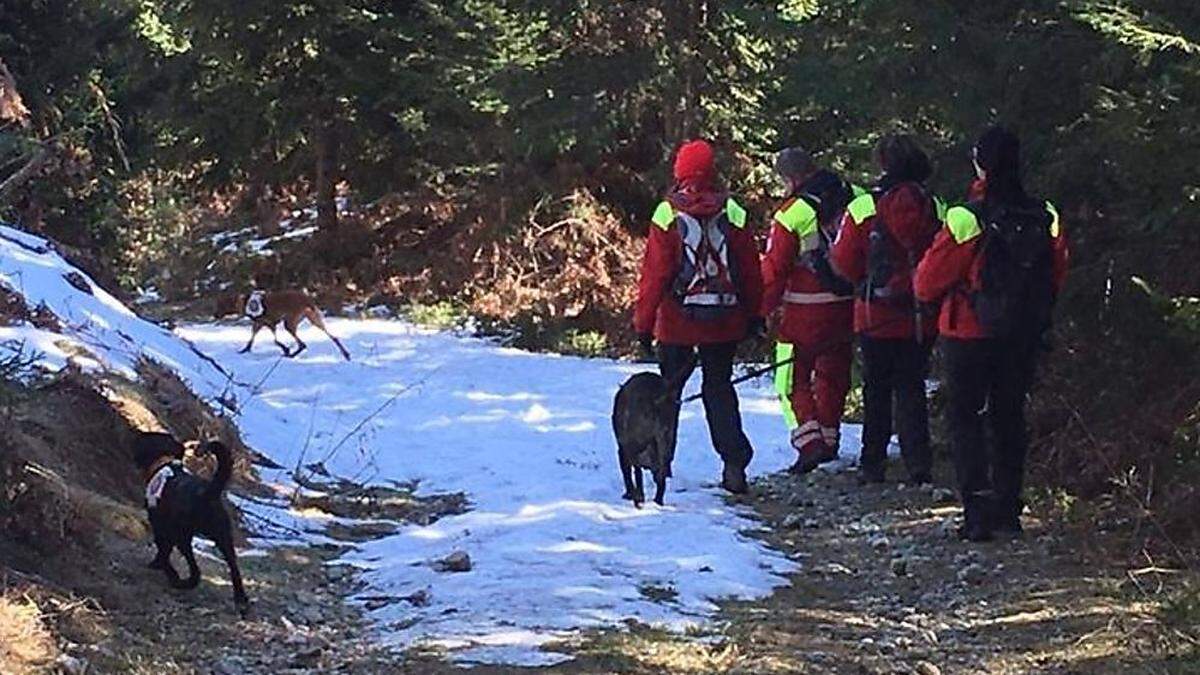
694, 162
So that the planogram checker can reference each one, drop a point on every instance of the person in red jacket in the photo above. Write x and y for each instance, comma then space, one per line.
699, 295
996, 269
883, 235
816, 327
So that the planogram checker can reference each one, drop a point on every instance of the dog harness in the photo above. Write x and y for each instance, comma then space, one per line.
254, 305
158, 475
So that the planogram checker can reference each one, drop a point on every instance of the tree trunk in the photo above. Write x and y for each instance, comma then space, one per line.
682, 115
21, 176
327, 178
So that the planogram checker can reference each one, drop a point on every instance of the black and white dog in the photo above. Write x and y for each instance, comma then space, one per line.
644, 422
182, 505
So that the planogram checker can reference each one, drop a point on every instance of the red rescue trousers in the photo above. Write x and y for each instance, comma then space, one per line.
814, 389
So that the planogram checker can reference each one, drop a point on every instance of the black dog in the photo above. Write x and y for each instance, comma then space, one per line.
182, 506
644, 423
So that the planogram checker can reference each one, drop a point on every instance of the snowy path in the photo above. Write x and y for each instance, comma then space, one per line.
527, 437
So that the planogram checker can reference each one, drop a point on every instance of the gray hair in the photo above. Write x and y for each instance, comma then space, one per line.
794, 162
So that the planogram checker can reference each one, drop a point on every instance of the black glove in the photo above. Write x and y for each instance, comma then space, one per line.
646, 343
756, 327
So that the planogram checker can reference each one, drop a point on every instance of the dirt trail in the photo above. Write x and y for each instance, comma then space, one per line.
886, 587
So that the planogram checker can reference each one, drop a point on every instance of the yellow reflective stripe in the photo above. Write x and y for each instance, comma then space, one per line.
940, 207
783, 383
1055, 228
800, 219
862, 208
735, 213
663, 216
963, 224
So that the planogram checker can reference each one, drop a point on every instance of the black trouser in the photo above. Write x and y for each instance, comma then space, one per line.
988, 380
895, 369
676, 363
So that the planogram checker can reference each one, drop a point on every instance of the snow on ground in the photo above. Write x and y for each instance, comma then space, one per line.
525, 436
528, 438
98, 331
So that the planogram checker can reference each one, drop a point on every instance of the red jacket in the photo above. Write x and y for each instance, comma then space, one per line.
812, 316
658, 310
912, 219
951, 270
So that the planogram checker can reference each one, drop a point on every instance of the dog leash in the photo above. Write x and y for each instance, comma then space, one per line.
748, 376
797, 353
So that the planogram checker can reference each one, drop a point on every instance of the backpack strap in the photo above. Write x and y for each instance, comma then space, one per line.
940, 207
1055, 227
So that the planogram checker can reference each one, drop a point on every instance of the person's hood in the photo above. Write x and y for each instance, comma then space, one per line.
697, 199
819, 182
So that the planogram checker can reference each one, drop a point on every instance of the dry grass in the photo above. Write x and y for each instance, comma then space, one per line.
25, 644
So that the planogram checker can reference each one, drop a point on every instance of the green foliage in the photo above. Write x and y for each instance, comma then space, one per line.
1181, 313
473, 115
588, 343
441, 315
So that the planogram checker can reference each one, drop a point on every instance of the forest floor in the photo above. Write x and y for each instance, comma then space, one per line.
884, 587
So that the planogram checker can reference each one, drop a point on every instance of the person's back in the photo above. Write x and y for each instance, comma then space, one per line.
699, 296
883, 235
815, 329
982, 267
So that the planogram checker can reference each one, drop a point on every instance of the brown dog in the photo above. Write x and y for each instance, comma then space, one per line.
266, 310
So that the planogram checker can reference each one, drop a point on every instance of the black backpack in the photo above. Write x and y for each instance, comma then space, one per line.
706, 285
828, 195
1015, 298
882, 249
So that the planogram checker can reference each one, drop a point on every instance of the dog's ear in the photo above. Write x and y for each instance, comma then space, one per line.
148, 446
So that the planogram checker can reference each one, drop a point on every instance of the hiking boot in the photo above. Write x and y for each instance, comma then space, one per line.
813, 454
975, 532
921, 479
978, 516
870, 476
1009, 527
806, 463
830, 456
1005, 517
733, 479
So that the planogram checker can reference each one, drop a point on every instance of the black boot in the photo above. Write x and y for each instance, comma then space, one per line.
1006, 517
813, 454
870, 475
921, 479
977, 518
733, 479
